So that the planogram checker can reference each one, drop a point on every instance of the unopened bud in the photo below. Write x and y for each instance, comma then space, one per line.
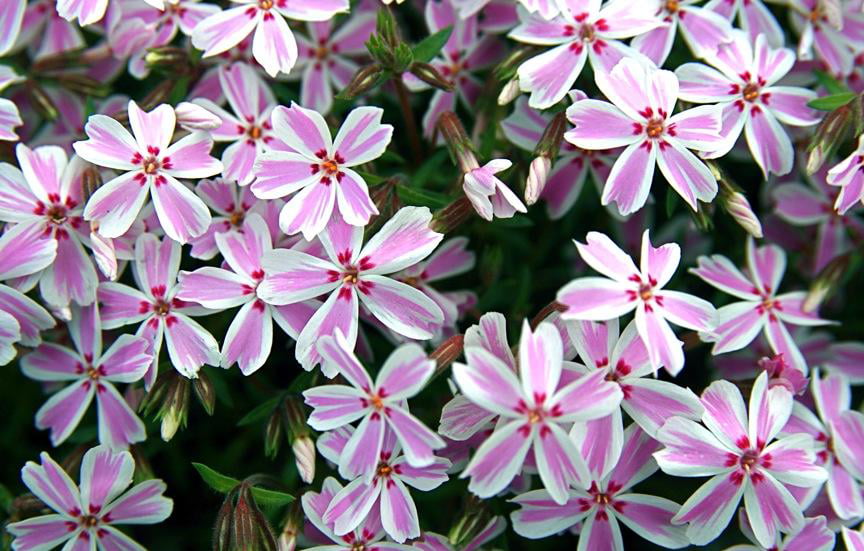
158, 95
205, 392
304, 457
475, 516
243, 525
447, 352
192, 116
41, 101
91, 180
452, 216
364, 80
830, 133
82, 84
222, 527
458, 142
538, 174
273, 434
506, 69
430, 75
702, 216
510, 92
735, 203
291, 527
168, 59
826, 282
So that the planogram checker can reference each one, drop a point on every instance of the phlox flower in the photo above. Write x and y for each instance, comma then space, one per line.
606, 502
547, 9
11, 18
152, 167
319, 174
10, 118
232, 204
583, 30
641, 289
835, 45
249, 128
854, 540
47, 194
85, 516
762, 309
249, 339
326, 58
836, 432
353, 273
45, 33
162, 315
465, 52
745, 87
533, 412
701, 28
91, 374
624, 359
387, 492
640, 118
430, 541
848, 175
742, 457
813, 536
379, 406
273, 44
754, 18
573, 165
489, 196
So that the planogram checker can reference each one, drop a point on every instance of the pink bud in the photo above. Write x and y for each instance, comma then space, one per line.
304, 456
510, 92
538, 173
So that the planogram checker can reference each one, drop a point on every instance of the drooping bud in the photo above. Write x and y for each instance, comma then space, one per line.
364, 80
458, 142
430, 75
304, 456
475, 516
510, 92
447, 352
538, 173
192, 116
826, 282
291, 527
222, 527
297, 426
735, 203
452, 216
205, 392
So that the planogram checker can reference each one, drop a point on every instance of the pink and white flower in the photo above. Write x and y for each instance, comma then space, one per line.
162, 315
836, 45
744, 86
762, 309
249, 339
152, 167
641, 289
848, 175
327, 58
352, 274
379, 405
583, 30
606, 502
85, 516
387, 492
46, 194
489, 196
45, 32
273, 44
318, 170
837, 435
547, 9
91, 374
640, 118
743, 459
754, 17
11, 17
533, 411
701, 28
815, 535
854, 540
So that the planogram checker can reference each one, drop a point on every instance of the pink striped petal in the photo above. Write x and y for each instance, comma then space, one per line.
790, 308
710, 508
757, 19
64, 410
691, 450
405, 372
71, 277
768, 142
659, 263
781, 342
771, 508
725, 415
558, 461
334, 406
31, 317
599, 125
599, 443
156, 261
280, 173
770, 409
50, 483
687, 310
629, 181
340, 311
119, 426
488, 382
190, 157
51, 362
316, 90
273, 44
601, 531
243, 89
43, 169
16, 199
593, 340
848, 432
550, 75
540, 357
588, 397
664, 348
362, 137
116, 204
540, 516
400, 307
418, 442
686, 173
703, 29
352, 197
351, 505
309, 210
698, 128
657, 43
26, 249
651, 518
190, 346
650, 403
292, 276
491, 333
362, 452
109, 144
11, 17
244, 249
223, 30
314, 10
452, 258
594, 298
46, 531
337, 351
152, 128
121, 305
303, 130
126, 360
766, 265
423, 478
213, 288
403, 241
143, 504
498, 460
719, 271
104, 475
737, 325
398, 512
844, 492
249, 339
461, 418
181, 213
793, 462
789, 105
635, 462
700, 83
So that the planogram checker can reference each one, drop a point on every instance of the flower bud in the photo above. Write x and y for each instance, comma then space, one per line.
82, 84
243, 525
192, 116
169, 398
830, 133
826, 282
91, 180
304, 457
169, 59
363, 80
702, 216
506, 69
222, 527
782, 374
510, 92
538, 173
475, 516
447, 352
452, 216
273, 434
430, 75
458, 142
205, 392
292, 526
733, 201
41, 101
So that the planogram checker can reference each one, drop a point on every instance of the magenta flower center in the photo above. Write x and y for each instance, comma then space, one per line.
749, 459
236, 218
672, 6
654, 128
328, 167
161, 307
89, 521
265, 4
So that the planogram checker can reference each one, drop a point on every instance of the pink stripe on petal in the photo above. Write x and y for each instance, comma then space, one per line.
292, 276
51, 362
782, 343
190, 157
488, 382
629, 181
635, 462
338, 351
213, 288
398, 512
725, 415
152, 128
710, 508
844, 492
316, 91
657, 43
659, 263
540, 357
588, 397
190, 346
793, 462
540, 516
143, 504
43, 169
418, 442
498, 460
688, 311
280, 173
126, 360
664, 348
109, 144
699, 128
770, 408
249, 339
400, 307
595, 298
309, 210
50, 483
362, 452
599, 125
601, 531
461, 418
789, 105
104, 475
405, 372
403, 241
242, 87
334, 406
550, 75
64, 410
690, 450
26, 248
703, 84
121, 305
273, 44
352, 197
686, 173
771, 509
651, 518
558, 461
703, 30
116, 204
47, 531
719, 271
650, 403
599, 443
362, 137
768, 142
351, 506
303, 130
119, 426
181, 213
340, 311
224, 30
848, 431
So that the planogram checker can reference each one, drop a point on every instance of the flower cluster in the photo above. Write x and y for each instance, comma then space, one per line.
447, 358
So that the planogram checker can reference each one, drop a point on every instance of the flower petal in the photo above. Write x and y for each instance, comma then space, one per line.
109, 144
768, 142
793, 462
771, 508
143, 504
249, 339
303, 130
691, 450
498, 460
594, 298
664, 348
540, 516
398, 512
222, 31
273, 45
126, 360
710, 508
650, 403
848, 431
719, 271
104, 475
540, 357
686, 173
488, 382
418, 442
400, 307
64, 410
293, 276
190, 346
50, 483
25, 249
116, 204
588, 397
119, 426
629, 181
403, 241
558, 461
362, 452
651, 518
362, 137
550, 75
600, 125
725, 415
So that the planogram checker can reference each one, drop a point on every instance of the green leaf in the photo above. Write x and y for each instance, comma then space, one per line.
421, 197
429, 47
832, 102
260, 412
830, 83
224, 484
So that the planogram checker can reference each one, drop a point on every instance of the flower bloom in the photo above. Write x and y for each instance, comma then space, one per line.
249, 339
367, 535
387, 492
152, 166
836, 43
273, 45
354, 273
837, 435
629, 288
640, 118
854, 540
606, 502
814, 535
378, 404
762, 308
46, 193
326, 58
754, 17
848, 174
319, 173
533, 410
547, 9
489, 195
582, 31
50, 33
91, 373
249, 128
743, 459
745, 88
702, 30
161, 313
86, 517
